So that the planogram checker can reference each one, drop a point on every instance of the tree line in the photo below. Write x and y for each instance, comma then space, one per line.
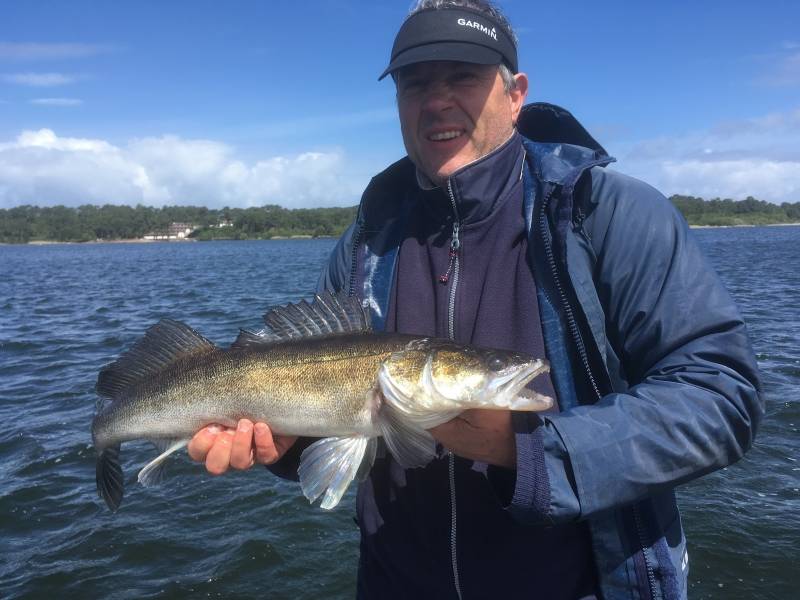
111, 222
728, 212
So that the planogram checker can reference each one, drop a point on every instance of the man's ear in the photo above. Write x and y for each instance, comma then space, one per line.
518, 95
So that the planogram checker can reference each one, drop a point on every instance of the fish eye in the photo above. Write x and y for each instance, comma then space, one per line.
495, 363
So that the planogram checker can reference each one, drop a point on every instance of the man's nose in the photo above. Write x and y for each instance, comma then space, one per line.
438, 96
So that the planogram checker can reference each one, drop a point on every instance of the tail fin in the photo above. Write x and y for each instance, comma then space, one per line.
110, 485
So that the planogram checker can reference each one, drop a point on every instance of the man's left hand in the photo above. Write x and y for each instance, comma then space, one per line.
480, 434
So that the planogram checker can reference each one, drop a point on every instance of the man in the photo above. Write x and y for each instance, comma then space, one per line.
502, 229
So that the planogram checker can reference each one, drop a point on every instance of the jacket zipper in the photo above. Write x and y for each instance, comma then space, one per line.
576, 336
571, 323
354, 260
651, 576
454, 267
451, 466
454, 264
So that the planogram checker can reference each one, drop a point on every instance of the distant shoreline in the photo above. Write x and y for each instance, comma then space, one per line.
300, 237
744, 225
45, 225
127, 241
177, 241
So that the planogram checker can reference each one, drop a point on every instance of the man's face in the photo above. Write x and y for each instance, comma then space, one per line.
453, 113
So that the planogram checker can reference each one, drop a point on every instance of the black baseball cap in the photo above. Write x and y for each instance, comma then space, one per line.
453, 33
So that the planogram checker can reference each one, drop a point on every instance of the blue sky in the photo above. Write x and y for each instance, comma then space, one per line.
246, 103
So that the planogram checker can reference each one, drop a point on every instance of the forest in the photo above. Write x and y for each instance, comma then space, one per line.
728, 212
110, 222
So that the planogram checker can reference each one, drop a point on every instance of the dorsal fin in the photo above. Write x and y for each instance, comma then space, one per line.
325, 315
248, 339
162, 344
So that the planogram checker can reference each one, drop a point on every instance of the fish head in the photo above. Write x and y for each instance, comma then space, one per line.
440, 375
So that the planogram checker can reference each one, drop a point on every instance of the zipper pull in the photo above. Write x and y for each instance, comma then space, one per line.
455, 244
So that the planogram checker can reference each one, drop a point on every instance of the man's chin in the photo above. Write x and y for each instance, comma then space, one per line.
438, 168
445, 169
439, 176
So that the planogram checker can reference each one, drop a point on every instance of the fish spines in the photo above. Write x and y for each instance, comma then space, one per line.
327, 314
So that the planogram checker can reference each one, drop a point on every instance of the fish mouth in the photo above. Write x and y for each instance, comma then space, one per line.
508, 388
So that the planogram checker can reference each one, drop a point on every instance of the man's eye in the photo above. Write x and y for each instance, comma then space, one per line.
464, 77
410, 87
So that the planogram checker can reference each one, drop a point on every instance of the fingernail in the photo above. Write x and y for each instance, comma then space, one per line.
214, 428
244, 426
261, 428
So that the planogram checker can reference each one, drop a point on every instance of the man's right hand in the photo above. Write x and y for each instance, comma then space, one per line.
222, 448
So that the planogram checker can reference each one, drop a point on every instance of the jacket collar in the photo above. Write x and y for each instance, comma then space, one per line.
479, 187
558, 150
559, 147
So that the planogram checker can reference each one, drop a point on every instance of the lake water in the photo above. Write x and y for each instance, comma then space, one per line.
65, 311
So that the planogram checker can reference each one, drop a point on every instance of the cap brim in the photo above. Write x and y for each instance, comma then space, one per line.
453, 51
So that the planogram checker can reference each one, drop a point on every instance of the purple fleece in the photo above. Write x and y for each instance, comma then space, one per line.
495, 306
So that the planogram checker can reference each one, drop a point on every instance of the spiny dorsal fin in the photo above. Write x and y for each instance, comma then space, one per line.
162, 344
248, 339
327, 314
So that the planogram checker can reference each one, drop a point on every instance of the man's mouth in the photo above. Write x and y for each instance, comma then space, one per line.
443, 136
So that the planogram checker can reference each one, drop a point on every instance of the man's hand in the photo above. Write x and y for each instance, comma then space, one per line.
221, 447
480, 434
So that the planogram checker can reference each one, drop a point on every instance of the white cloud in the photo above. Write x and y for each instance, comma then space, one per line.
47, 139
39, 79
30, 51
57, 101
757, 157
39, 167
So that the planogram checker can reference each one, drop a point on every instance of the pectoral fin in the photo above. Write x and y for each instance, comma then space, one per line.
410, 445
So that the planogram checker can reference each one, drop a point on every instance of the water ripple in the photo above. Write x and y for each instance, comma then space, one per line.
65, 311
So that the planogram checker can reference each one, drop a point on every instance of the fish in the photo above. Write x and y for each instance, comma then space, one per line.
317, 370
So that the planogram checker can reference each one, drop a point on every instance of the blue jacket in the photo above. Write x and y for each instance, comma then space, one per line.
655, 376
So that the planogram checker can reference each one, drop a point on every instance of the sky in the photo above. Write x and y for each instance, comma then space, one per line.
246, 103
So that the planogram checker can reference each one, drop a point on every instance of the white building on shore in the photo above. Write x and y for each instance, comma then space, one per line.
176, 231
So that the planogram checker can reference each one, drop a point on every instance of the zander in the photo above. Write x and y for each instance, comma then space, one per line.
317, 370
